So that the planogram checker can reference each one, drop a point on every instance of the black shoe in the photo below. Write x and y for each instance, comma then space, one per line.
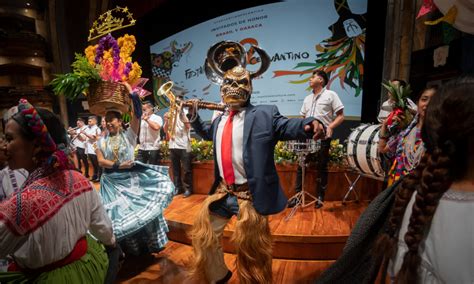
318, 204
292, 203
226, 278
187, 193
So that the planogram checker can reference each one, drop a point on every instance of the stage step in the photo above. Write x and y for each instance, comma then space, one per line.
310, 234
170, 266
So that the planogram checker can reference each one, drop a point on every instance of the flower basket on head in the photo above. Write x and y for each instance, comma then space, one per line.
105, 95
101, 72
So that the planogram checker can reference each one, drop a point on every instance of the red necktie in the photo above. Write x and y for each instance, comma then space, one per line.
226, 150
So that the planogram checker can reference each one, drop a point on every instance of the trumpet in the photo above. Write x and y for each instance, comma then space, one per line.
176, 104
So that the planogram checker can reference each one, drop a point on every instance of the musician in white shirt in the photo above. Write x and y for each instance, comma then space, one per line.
149, 149
180, 154
324, 105
92, 132
78, 141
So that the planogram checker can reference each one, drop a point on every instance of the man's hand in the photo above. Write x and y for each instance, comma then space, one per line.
193, 109
329, 132
317, 128
145, 116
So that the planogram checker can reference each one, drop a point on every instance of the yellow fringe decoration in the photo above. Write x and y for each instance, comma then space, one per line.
254, 246
203, 237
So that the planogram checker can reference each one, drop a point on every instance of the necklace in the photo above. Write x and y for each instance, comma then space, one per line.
413, 149
114, 145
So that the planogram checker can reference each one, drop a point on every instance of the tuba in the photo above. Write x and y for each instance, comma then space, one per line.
225, 55
176, 104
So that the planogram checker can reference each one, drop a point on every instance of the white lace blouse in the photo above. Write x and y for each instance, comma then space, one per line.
447, 252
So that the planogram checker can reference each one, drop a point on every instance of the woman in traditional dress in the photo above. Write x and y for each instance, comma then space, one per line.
10, 180
430, 234
407, 148
45, 224
134, 194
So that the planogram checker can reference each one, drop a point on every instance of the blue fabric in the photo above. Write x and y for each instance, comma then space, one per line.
135, 197
264, 126
137, 105
225, 207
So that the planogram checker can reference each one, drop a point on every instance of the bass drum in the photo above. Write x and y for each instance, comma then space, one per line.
362, 152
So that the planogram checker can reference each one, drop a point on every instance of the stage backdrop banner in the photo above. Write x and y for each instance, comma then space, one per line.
300, 36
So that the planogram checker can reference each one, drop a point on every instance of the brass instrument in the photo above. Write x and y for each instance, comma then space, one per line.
176, 104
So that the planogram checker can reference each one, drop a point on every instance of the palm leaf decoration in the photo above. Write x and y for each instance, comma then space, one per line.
71, 85
400, 96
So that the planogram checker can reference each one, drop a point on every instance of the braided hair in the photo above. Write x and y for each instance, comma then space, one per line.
449, 121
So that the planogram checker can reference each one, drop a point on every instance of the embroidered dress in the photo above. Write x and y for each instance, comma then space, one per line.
42, 224
135, 198
408, 148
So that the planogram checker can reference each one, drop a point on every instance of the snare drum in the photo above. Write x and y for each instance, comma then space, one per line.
306, 146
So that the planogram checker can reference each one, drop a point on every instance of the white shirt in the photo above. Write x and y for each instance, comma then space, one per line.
11, 181
94, 130
77, 142
322, 106
182, 137
237, 146
387, 108
150, 138
447, 251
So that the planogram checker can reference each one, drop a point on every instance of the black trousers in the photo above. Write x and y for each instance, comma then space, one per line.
149, 156
95, 165
181, 160
82, 160
321, 158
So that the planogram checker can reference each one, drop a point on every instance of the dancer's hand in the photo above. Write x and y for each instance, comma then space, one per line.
127, 165
129, 88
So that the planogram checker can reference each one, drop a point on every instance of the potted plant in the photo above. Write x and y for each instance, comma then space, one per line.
282, 155
337, 156
202, 150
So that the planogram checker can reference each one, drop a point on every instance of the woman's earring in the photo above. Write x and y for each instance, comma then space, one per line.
35, 160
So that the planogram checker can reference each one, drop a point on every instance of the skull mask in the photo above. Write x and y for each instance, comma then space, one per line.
236, 87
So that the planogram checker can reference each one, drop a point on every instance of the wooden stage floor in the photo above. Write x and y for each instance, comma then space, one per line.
303, 246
